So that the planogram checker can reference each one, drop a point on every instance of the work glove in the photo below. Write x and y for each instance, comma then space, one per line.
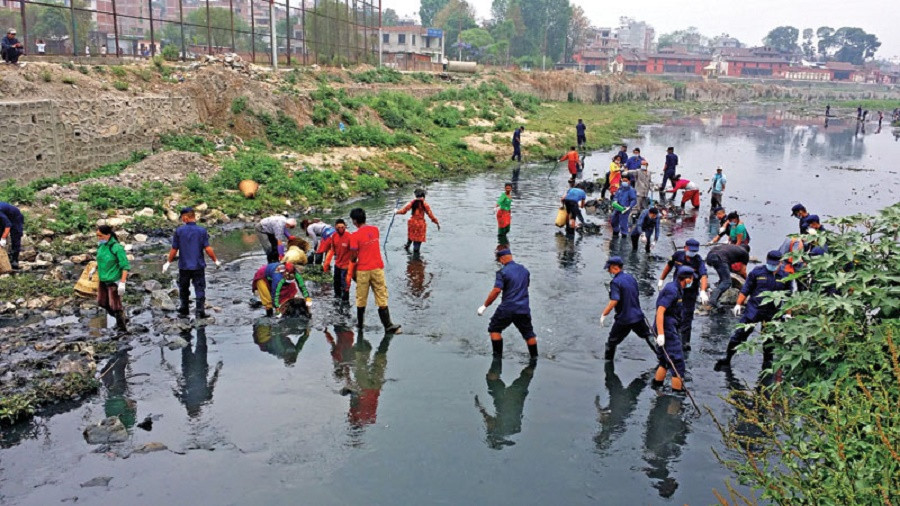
704, 297
602, 319
643, 238
787, 317
660, 339
710, 243
2, 243
166, 267
721, 230
218, 264
659, 284
737, 310
91, 273
308, 302
481, 310
812, 231
652, 244
278, 314
121, 288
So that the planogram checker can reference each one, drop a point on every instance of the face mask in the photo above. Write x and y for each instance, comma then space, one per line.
732, 223
689, 284
101, 242
772, 268
690, 253
625, 185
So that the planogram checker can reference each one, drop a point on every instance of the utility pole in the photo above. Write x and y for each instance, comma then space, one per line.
273, 38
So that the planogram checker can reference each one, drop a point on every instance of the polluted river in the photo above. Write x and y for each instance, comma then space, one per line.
262, 411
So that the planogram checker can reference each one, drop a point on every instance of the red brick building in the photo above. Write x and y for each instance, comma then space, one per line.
673, 63
756, 66
631, 62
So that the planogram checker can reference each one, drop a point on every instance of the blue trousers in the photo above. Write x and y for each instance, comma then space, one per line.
186, 278
688, 304
724, 272
619, 222
341, 290
517, 152
673, 348
667, 176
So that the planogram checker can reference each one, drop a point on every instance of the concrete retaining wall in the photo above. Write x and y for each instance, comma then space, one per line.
46, 138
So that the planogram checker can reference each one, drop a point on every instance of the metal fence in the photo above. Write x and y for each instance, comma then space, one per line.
306, 31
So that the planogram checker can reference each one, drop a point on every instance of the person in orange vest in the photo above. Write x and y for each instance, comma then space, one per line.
572, 157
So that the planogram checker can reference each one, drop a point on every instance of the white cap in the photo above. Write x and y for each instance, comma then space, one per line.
12, 31
291, 222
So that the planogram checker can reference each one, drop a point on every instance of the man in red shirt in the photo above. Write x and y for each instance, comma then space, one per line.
572, 157
367, 267
337, 245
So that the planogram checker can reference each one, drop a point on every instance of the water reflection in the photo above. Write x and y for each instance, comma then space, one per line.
341, 352
276, 340
509, 403
417, 279
195, 385
118, 402
365, 387
666, 434
622, 402
566, 251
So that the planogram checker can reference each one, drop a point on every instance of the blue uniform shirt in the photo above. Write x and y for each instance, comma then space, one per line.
634, 162
10, 216
680, 259
624, 289
671, 162
718, 182
626, 197
804, 224
623, 155
190, 240
517, 136
758, 281
670, 298
645, 223
513, 279
576, 195
580, 128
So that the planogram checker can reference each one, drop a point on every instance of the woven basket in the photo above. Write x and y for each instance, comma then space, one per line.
88, 287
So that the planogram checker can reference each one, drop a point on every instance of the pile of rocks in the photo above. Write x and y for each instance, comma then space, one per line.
232, 61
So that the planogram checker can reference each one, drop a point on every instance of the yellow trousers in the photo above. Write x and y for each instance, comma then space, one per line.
374, 279
262, 288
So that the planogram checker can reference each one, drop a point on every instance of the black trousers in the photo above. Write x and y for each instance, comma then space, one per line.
620, 331
186, 278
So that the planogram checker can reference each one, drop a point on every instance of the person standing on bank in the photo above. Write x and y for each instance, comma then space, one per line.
272, 232
12, 227
416, 227
190, 242
512, 281
667, 323
624, 297
112, 267
669, 169
517, 144
367, 267
580, 134
717, 187
688, 257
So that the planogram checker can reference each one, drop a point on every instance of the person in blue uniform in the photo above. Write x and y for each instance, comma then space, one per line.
190, 242
517, 143
12, 226
512, 281
623, 201
669, 311
669, 168
688, 257
581, 134
726, 259
635, 160
765, 278
648, 225
624, 297
799, 211
574, 202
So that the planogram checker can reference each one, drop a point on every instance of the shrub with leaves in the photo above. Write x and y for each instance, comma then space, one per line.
829, 432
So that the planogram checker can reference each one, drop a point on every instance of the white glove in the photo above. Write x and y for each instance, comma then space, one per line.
91, 273
652, 243
643, 238
278, 315
737, 310
704, 297
308, 302
721, 230
788, 316
812, 231
2, 243
602, 319
660, 339
218, 264
659, 284
481, 310
121, 288
166, 267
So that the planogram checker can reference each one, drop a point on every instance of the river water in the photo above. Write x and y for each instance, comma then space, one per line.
255, 411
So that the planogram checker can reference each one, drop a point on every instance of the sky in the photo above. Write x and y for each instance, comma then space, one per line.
748, 20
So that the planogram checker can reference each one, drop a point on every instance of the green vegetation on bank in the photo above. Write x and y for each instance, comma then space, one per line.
829, 433
871, 105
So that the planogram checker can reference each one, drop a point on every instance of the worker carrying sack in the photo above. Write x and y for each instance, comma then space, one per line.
561, 216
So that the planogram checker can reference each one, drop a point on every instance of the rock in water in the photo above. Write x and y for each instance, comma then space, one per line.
161, 300
99, 481
152, 285
177, 343
151, 447
109, 430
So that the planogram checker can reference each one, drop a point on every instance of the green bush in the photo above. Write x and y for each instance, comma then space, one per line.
71, 217
46, 76
194, 143
120, 85
103, 197
238, 105
100, 70
118, 71
828, 432
320, 115
68, 80
15, 194
378, 75
446, 117
170, 52
370, 184
84, 70
68, 65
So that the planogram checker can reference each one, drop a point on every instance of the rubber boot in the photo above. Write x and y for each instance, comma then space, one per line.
185, 309
14, 261
360, 317
532, 350
497, 346
677, 384
389, 327
200, 313
408, 244
270, 312
725, 363
610, 352
121, 320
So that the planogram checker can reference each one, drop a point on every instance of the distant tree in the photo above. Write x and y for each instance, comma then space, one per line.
783, 38
690, 38
389, 17
824, 35
428, 9
855, 45
476, 42
579, 24
454, 17
499, 9
809, 49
